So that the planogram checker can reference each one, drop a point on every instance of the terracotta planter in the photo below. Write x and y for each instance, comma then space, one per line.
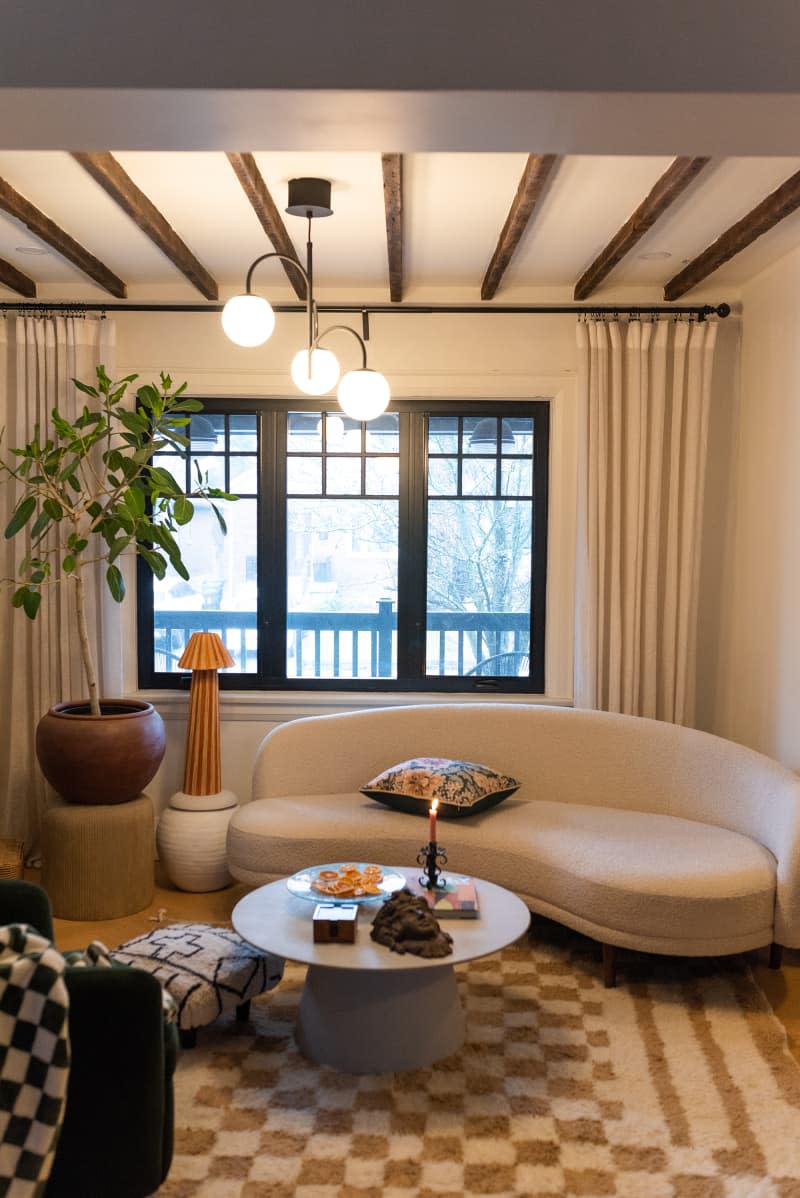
108, 758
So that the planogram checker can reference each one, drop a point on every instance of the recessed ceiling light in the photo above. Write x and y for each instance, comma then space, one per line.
655, 255
30, 249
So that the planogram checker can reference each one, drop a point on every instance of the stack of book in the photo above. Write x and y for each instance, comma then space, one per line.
458, 899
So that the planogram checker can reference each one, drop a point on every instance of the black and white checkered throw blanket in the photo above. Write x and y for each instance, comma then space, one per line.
34, 1058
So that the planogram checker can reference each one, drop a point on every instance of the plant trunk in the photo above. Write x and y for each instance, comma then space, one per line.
83, 632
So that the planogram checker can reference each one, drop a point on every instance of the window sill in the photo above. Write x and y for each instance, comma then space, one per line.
277, 706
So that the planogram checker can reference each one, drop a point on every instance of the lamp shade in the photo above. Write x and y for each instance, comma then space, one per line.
324, 371
248, 320
205, 651
363, 394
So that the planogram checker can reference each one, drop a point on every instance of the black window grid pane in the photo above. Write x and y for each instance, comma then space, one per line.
462, 457
271, 459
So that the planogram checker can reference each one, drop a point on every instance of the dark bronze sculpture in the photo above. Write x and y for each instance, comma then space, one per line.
405, 924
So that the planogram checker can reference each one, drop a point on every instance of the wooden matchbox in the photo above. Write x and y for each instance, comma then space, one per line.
335, 923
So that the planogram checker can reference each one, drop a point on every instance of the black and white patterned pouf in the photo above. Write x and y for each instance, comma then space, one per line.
207, 970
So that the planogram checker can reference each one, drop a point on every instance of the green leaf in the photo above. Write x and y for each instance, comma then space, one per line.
154, 560
116, 583
67, 473
62, 426
68, 563
183, 510
102, 377
133, 422
24, 510
134, 501
163, 481
29, 599
86, 389
186, 405
148, 396
31, 603
220, 518
117, 547
53, 509
41, 522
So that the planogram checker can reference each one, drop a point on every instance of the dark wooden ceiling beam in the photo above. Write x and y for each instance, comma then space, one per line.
674, 181
50, 233
16, 280
535, 175
778, 204
392, 165
264, 206
116, 182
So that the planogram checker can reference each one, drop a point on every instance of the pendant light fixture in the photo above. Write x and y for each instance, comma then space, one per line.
248, 320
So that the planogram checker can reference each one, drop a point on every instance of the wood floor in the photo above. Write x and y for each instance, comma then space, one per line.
781, 986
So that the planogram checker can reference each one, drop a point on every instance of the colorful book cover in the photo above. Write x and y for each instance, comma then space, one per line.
458, 900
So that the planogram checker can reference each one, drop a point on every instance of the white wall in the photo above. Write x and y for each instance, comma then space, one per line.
496, 356
758, 699
449, 356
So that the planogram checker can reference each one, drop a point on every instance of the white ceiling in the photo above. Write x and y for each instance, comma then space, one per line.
454, 208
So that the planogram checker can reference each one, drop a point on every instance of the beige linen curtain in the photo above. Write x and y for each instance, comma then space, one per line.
40, 660
643, 400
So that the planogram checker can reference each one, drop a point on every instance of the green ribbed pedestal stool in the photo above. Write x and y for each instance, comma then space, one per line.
98, 859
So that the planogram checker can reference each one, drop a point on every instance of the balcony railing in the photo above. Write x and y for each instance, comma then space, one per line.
347, 644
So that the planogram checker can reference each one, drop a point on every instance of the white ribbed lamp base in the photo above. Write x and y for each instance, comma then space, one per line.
191, 847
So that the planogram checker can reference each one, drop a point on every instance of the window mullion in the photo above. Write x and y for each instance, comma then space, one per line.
272, 546
412, 552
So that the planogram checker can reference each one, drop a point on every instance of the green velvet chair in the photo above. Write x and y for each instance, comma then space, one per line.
116, 1137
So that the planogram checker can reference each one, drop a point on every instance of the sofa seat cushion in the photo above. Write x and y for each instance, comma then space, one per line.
649, 880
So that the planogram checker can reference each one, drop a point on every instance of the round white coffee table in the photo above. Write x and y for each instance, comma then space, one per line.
365, 1009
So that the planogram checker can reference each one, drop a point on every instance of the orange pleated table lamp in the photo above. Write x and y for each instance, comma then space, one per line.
204, 655
193, 829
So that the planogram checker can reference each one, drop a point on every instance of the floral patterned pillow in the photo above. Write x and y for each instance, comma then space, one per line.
462, 787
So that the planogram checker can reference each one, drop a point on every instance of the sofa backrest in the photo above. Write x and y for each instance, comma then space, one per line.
561, 754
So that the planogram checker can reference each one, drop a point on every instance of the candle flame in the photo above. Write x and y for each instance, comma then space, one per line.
434, 807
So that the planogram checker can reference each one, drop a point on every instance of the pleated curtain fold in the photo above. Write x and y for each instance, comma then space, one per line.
644, 393
41, 664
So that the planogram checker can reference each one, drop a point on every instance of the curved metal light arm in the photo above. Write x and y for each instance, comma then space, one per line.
284, 258
306, 272
345, 328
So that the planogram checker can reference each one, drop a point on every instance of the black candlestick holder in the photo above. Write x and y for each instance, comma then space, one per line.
431, 856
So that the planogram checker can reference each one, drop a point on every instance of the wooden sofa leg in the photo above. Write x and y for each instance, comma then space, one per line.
243, 1012
609, 966
775, 955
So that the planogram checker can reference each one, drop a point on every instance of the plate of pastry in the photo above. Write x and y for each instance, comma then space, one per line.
345, 882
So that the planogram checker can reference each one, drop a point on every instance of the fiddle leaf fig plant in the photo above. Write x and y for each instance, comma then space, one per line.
90, 492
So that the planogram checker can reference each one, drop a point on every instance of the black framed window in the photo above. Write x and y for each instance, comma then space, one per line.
408, 553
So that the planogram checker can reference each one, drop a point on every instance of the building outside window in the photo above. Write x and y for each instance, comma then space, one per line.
408, 553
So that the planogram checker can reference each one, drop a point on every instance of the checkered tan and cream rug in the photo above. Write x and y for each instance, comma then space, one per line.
678, 1084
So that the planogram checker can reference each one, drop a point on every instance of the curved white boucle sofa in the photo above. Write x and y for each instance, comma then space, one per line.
638, 833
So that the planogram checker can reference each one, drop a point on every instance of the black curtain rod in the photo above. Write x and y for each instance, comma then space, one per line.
701, 310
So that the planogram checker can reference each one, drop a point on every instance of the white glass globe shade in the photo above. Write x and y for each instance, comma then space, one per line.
324, 371
363, 394
248, 320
